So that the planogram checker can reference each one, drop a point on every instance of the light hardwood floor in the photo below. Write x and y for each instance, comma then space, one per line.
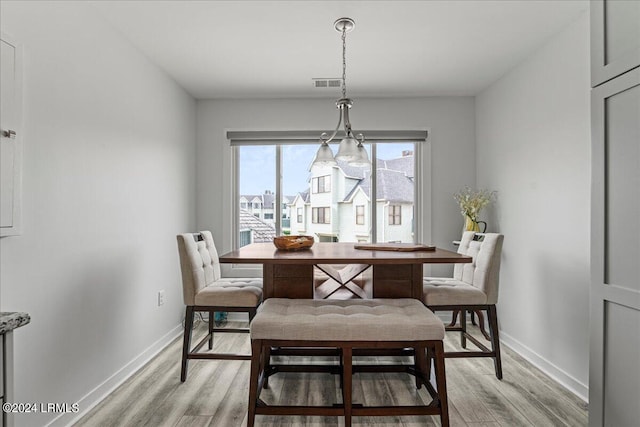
216, 393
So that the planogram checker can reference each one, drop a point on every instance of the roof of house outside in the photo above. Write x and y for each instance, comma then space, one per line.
266, 199
394, 180
262, 232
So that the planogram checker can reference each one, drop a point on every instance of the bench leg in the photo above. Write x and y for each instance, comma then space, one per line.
256, 356
266, 362
441, 383
347, 373
420, 361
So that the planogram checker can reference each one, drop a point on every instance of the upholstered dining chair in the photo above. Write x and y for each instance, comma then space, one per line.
204, 290
474, 288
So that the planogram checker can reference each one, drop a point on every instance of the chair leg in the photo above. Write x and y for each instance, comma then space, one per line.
186, 344
495, 339
212, 318
463, 330
481, 325
454, 318
347, 373
441, 384
256, 356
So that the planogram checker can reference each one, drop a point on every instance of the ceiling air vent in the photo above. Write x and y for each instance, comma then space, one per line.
326, 83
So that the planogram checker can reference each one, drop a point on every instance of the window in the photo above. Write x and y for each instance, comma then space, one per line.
321, 184
245, 238
395, 215
360, 215
321, 215
337, 198
243, 205
256, 206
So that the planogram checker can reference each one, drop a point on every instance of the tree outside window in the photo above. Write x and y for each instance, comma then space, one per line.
395, 215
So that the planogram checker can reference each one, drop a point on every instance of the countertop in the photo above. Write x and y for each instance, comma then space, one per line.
11, 320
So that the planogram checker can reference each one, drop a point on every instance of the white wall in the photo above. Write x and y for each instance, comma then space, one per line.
109, 157
450, 120
533, 147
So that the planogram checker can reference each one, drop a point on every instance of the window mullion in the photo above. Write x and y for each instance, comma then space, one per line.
374, 205
277, 203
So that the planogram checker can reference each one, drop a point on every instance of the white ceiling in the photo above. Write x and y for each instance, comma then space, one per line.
260, 49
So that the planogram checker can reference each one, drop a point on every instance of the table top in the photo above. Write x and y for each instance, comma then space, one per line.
337, 253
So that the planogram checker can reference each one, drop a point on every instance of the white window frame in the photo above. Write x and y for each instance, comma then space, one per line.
392, 214
316, 188
360, 215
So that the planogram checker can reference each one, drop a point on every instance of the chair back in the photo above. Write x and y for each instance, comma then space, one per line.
484, 271
198, 262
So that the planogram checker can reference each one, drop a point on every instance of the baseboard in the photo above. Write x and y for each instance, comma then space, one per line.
557, 374
96, 395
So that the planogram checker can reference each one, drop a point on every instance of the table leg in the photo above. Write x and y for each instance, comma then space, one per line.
267, 281
287, 281
397, 281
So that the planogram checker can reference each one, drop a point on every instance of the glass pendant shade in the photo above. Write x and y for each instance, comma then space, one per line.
324, 156
348, 149
362, 159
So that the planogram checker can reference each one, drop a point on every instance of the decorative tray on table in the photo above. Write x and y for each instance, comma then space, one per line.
399, 247
293, 243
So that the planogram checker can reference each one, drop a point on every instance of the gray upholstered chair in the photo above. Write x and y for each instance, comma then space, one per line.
474, 288
205, 290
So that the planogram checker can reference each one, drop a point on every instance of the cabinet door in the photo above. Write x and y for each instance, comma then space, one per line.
614, 377
615, 38
11, 138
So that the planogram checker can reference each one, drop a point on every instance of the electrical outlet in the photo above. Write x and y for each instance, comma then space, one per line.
160, 298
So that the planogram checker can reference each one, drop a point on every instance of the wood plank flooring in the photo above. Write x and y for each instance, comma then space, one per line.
216, 393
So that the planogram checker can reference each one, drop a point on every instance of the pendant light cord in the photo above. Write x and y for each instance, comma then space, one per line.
344, 61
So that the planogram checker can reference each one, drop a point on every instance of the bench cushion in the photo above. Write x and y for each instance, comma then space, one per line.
402, 319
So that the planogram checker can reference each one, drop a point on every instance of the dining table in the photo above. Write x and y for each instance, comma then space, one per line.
396, 269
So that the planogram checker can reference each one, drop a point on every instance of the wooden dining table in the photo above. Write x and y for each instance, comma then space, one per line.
290, 274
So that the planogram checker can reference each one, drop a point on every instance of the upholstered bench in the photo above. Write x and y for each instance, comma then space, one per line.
345, 325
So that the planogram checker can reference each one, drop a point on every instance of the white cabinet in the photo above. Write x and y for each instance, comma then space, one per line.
10, 138
614, 377
615, 38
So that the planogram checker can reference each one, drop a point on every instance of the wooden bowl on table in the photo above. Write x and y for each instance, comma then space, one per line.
293, 243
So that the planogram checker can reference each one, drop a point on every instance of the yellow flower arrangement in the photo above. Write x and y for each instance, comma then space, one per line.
471, 203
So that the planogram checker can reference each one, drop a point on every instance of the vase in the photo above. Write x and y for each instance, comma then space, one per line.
470, 224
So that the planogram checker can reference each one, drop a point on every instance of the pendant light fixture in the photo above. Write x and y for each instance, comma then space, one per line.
351, 149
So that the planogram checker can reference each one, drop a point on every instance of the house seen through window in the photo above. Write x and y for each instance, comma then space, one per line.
333, 203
